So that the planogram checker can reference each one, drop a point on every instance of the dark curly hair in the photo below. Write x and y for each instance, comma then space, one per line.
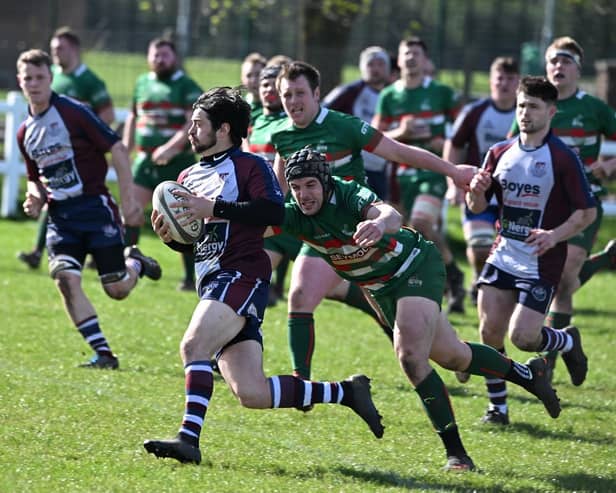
226, 105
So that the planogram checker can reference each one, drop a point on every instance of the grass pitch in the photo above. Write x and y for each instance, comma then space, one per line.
68, 429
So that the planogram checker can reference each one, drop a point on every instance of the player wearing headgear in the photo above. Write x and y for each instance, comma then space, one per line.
237, 195
342, 138
361, 237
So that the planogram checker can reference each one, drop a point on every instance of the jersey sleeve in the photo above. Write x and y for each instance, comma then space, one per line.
31, 167
362, 133
357, 199
98, 132
262, 182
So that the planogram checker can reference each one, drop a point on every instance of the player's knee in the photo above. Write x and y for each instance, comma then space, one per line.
523, 339
114, 284
300, 299
63, 264
252, 396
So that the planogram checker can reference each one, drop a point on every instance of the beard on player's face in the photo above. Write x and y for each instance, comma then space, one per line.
202, 145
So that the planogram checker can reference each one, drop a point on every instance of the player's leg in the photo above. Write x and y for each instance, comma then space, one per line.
65, 265
527, 332
416, 308
213, 325
416, 321
479, 359
311, 279
353, 295
280, 249
578, 249
495, 306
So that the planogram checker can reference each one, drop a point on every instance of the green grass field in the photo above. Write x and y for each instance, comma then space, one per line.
75, 430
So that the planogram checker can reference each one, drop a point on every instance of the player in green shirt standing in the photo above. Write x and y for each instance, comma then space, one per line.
580, 121
414, 110
73, 78
157, 129
361, 238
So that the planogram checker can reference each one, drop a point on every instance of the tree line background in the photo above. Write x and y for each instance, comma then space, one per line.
461, 34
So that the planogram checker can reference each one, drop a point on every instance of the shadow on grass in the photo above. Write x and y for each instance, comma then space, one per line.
585, 482
392, 479
542, 431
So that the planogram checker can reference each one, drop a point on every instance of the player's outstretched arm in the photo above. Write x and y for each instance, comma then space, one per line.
420, 158
381, 218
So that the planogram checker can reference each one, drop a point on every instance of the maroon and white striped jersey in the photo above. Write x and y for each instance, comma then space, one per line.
535, 188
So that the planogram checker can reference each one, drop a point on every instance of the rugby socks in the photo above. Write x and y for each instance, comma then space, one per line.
437, 405
435, 400
357, 299
555, 340
301, 342
91, 332
496, 368
556, 320
290, 391
199, 388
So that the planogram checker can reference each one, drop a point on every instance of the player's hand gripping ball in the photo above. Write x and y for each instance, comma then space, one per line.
164, 194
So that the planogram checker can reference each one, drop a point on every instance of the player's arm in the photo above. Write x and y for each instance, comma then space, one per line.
419, 158
166, 152
35, 198
131, 210
543, 239
381, 218
256, 212
604, 169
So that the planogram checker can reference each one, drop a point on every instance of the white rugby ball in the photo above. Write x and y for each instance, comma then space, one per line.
164, 194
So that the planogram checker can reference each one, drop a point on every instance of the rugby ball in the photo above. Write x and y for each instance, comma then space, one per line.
165, 194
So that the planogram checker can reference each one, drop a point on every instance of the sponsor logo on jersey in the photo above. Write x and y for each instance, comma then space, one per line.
578, 121
214, 241
517, 223
520, 189
357, 254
